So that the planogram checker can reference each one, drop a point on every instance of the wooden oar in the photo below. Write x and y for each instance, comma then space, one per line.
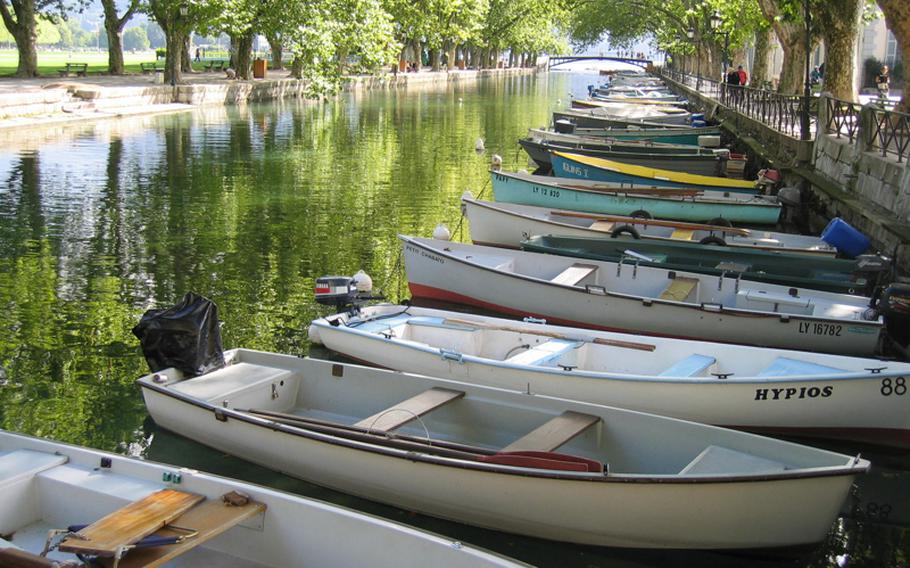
545, 333
654, 222
668, 192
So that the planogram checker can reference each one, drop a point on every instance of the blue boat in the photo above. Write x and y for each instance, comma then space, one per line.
615, 199
598, 169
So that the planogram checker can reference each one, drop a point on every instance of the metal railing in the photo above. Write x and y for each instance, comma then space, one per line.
782, 113
842, 118
888, 131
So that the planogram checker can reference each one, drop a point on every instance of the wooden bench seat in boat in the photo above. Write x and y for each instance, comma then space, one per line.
679, 289
546, 352
229, 380
691, 366
554, 433
783, 366
208, 519
407, 410
717, 459
602, 226
682, 234
573, 275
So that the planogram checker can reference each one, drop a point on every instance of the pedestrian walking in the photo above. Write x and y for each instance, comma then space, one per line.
743, 76
197, 54
883, 83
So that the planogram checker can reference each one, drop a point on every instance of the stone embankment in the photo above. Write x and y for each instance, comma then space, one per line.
38, 102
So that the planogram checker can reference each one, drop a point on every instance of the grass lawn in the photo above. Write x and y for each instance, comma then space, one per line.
50, 61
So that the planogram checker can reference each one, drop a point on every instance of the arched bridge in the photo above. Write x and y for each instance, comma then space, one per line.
561, 59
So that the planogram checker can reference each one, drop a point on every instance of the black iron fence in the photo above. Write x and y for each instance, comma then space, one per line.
783, 113
880, 129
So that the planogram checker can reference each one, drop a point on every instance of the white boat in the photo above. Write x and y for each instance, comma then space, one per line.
46, 485
507, 224
751, 388
508, 460
621, 296
545, 135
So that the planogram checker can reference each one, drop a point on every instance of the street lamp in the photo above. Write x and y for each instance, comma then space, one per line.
184, 10
716, 21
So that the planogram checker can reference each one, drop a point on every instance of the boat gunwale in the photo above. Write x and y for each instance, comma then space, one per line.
734, 311
629, 377
697, 199
854, 466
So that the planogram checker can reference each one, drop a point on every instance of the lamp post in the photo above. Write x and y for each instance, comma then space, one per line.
716, 21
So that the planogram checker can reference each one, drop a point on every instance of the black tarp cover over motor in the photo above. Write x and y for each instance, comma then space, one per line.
186, 336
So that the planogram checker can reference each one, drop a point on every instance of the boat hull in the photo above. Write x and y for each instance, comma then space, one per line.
782, 512
436, 274
709, 165
564, 165
512, 189
845, 405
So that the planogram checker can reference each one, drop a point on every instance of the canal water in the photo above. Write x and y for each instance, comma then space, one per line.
248, 205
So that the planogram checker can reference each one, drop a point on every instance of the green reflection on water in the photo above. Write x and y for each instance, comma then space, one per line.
248, 205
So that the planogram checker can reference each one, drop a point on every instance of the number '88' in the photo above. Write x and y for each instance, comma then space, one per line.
898, 386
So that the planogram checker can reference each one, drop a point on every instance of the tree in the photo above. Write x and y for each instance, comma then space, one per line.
897, 17
838, 21
135, 39
21, 19
113, 25
178, 18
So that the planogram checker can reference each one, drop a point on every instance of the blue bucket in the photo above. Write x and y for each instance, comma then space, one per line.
698, 116
699, 123
845, 238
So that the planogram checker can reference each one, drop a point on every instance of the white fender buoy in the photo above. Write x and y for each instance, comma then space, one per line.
496, 162
460, 100
479, 146
523, 172
467, 194
363, 282
313, 334
442, 233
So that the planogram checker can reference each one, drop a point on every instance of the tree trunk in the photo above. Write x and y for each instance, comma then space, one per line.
762, 50
277, 51
897, 17
114, 48
434, 59
174, 41
297, 67
839, 22
341, 56
186, 62
24, 29
418, 55
792, 38
450, 56
243, 54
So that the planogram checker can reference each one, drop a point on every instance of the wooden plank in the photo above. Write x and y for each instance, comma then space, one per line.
209, 519
131, 523
682, 234
679, 289
658, 191
574, 274
554, 433
543, 332
407, 410
603, 226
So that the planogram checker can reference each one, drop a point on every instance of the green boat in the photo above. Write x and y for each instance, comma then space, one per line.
626, 199
774, 267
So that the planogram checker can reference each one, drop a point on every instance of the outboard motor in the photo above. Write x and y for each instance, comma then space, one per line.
873, 270
894, 305
186, 336
343, 292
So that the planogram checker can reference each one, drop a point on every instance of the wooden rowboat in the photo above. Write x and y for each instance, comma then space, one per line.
598, 118
502, 459
621, 296
507, 224
578, 166
752, 388
141, 513
707, 162
845, 276
626, 199
620, 144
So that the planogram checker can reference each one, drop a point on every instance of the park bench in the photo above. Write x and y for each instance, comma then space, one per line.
74, 68
215, 65
151, 67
